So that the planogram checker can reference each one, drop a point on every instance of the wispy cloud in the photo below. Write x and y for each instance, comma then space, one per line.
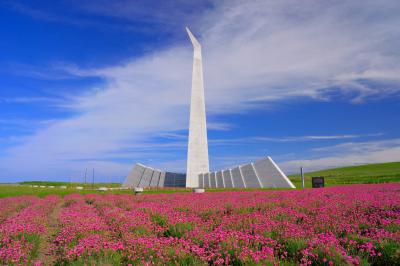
25, 122
255, 53
256, 139
347, 154
219, 126
50, 71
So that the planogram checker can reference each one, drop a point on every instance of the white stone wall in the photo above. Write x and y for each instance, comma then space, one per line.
264, 173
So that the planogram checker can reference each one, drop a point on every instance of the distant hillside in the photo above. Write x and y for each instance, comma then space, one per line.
361, 174
69, 184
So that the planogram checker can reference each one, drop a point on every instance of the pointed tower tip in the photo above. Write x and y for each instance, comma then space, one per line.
193, 39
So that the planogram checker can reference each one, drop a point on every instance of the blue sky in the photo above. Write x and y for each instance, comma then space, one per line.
104, 84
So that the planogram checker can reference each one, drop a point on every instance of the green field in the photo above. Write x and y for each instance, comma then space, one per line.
362, 174
10, 190
69, 184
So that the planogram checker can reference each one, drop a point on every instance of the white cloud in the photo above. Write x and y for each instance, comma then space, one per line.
255, 52
259, 139
347, 154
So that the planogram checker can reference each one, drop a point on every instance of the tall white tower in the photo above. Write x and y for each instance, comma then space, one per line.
197, 161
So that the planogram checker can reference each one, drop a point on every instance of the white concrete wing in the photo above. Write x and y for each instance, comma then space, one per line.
213, 183
161, 180
271, 176
220, 180
155, 178
134, 177
250, 176
227, 178
237, 178
207, 180
264, 173
201, 180
146, 177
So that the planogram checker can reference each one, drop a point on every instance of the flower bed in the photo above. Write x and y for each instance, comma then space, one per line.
11, 205
348, 225
20, 233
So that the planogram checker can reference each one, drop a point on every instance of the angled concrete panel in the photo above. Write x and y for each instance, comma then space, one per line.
201, 180
237, 178
230, 172
263, 173
270, 175
220, 180
161, 180
207, 180
155, 178
250, 176
146, 177
216, 180
133, 179
227, 178
213, 183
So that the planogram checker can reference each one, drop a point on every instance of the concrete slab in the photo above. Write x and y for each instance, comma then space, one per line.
146, 178
213, 182
250, 176
161, 180
155, 178
270, 175
207, 183
227, 178
201, 180
220, 180
237, 178
133, 179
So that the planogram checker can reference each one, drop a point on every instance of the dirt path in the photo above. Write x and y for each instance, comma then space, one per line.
45, 256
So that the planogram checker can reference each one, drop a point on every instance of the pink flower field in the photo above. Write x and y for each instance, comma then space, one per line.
347, 225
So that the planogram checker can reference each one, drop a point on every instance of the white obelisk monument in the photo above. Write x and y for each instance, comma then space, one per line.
197, 161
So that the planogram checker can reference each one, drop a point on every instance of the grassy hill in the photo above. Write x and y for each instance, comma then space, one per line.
361, 174
69, 184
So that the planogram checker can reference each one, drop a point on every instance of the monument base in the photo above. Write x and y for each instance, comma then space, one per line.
199, 190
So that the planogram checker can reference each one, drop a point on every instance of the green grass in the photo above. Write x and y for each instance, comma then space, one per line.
68, 184
18, 190
11, 190
361, 174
